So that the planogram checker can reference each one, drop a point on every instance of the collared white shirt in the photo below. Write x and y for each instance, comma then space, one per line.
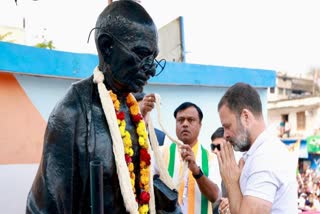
269, 174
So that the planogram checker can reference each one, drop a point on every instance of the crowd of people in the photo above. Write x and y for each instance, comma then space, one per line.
308, 190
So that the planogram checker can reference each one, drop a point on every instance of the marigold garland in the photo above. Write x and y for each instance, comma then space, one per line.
144, 197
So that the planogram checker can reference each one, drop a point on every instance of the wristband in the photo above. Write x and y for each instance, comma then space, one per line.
198, 175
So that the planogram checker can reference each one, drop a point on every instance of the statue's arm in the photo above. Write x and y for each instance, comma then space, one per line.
58, 186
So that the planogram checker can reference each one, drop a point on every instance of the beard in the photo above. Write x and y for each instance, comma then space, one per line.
242, 141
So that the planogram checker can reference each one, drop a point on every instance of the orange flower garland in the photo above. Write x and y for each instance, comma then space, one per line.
144, 197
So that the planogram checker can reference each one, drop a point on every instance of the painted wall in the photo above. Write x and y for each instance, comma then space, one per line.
33, 80
21, 124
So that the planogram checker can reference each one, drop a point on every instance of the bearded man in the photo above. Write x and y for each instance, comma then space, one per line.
264, 181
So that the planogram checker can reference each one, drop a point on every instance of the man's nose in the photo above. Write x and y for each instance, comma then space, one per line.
226, 135
185, 123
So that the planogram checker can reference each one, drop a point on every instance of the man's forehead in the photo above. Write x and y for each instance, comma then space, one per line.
188, 112
185, 116
226, 115
225, 110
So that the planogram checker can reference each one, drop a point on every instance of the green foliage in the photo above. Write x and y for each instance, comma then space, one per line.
45, 44
3, 37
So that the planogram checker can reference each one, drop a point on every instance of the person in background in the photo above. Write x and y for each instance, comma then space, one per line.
284, 127
264, 181
222, 205
281, 127
146, 103
287, 129
199, 188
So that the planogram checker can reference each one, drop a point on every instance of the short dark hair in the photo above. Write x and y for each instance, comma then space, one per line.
217, 133
186, 105
240, 96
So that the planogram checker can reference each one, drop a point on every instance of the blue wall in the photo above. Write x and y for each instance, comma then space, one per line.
42, 62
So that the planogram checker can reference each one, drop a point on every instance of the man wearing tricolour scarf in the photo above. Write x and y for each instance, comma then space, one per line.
197, 184
99, 119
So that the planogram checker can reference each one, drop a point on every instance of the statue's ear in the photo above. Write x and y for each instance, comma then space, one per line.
105, 44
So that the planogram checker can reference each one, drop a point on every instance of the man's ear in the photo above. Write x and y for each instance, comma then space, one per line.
105, 45
245, 116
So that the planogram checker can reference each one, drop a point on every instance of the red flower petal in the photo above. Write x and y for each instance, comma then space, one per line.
144, 197
128, 158
120, 115
145, 156
136, 118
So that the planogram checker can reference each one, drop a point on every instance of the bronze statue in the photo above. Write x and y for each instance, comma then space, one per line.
78, 131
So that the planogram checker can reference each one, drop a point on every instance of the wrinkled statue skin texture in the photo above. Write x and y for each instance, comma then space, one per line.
77, 131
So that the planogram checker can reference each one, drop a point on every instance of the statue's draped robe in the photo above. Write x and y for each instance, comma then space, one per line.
77, 132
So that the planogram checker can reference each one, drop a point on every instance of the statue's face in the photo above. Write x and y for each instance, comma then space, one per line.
132, 57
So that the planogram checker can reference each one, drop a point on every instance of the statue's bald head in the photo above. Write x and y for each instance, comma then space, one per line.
117, 18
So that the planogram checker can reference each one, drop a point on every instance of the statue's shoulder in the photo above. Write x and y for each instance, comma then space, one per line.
79, 94
84, 88
84, 83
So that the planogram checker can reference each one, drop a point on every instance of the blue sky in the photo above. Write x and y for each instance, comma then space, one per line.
282, 35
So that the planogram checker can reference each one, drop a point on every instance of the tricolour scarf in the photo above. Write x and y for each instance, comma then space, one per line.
197, 203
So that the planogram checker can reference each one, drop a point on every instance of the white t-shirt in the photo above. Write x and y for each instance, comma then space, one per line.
269, 174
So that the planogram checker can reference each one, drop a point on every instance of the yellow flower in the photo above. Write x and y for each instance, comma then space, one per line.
142, 126
131, 152
141, 141
116, 105
113, 96
127, 140
115, 100
131, 100
146, 188
132, 182
123, 123
134, 109
132, 175
145, 135
131, 167
145, 171
144, 209
122, 130
127, 143
144, 179
127, 150
142, 164
141, 130
128, 134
